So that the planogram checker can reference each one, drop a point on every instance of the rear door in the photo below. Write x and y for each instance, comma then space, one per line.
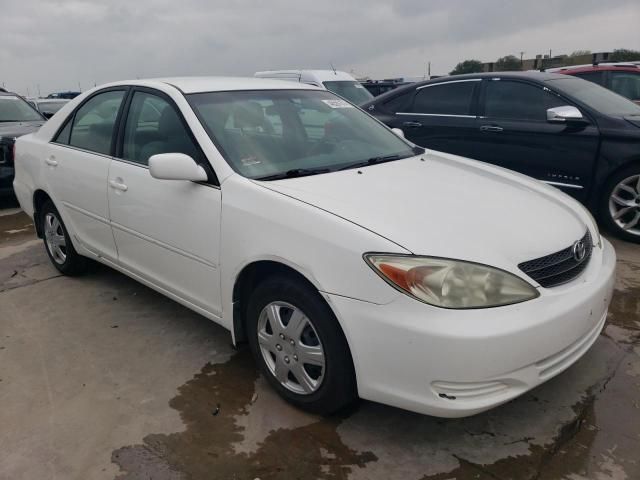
440, 116
513, 132
77, 166
167, 231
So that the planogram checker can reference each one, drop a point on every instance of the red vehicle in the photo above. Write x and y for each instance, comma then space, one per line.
622, 78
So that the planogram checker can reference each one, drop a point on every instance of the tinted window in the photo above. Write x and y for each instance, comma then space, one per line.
446, 99
595, 77
519, 101
597, 97
93, 123
270, 132
153, 126
626, 84
400, 103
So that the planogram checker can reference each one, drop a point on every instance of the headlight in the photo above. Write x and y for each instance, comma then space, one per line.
450, 283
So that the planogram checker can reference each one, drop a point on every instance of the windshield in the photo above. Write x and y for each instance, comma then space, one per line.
270, 132
50, 107
15, 109
595, 96
351, 90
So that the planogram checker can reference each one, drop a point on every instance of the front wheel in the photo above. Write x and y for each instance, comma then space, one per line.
299, 346
58, 243
620, 205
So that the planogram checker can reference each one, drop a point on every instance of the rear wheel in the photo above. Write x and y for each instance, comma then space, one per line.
620, 207
58, 244
299, 346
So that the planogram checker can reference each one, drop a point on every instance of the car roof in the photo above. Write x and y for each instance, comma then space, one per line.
320, 75
215, 84
527, 75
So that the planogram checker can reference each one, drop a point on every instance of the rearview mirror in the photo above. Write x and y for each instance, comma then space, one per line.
565, 114
176, 166
398, 132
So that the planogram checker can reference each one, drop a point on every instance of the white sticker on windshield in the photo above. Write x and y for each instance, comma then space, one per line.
338, 103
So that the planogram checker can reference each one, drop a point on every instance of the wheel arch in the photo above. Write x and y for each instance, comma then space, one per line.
39, 199
250, 276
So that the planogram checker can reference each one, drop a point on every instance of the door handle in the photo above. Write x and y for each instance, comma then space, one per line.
491, 128
51, 161
118, 185
411, 124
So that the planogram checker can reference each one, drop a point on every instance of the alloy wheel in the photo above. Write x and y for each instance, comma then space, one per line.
291, 347
54, 236
624, 204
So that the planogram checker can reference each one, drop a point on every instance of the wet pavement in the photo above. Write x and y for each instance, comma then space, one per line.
101, 377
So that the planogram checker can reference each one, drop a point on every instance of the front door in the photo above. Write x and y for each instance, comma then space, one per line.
167, 231
77, 171
513, 132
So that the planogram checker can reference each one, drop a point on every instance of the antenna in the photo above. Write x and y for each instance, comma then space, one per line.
333, 68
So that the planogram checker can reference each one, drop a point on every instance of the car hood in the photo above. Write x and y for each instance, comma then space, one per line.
17, 129
442, 205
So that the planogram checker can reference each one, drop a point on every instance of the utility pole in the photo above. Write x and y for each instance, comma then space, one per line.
428, 70
521, 60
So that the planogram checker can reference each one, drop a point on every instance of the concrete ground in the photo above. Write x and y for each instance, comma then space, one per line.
102, 378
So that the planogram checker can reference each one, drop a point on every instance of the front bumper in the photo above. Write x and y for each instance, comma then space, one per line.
455, 363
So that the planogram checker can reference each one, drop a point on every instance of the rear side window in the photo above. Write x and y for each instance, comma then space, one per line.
445, 99
153, 127
519, 101
400, 103
626, 84
595, 77
93, 123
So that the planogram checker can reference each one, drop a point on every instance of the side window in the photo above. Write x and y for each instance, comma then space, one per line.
153, 126
400, 103
626, 84
519, 101
93, 123
446, 99
595, 77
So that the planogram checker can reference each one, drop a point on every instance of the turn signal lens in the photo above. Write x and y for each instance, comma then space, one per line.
451, 283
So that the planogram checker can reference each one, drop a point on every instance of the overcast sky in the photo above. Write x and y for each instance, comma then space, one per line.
57, 44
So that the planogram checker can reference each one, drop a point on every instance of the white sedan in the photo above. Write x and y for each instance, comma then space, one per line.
353, 262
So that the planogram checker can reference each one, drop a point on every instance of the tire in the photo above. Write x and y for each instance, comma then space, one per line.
620, 204
58, 244
327, 383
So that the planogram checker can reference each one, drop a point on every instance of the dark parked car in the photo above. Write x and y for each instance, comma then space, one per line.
564, 131
65, 95
17, 118
622, 78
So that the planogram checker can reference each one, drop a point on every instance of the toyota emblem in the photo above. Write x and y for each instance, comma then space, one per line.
579, 251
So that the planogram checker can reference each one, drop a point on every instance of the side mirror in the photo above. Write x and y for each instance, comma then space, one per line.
176, 166
565, 114
398, 132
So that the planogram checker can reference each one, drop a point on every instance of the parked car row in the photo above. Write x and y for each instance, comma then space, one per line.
354, 262
564, 131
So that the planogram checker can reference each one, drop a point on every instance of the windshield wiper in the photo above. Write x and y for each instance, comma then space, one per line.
295, 172
373, 161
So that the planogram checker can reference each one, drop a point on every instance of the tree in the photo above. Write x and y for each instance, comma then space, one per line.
468, 66
580, 53
508, 63
624, 55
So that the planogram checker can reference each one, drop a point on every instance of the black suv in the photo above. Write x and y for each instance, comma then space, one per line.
564, 131
17, 117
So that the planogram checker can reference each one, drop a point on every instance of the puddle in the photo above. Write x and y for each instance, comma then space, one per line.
209, 406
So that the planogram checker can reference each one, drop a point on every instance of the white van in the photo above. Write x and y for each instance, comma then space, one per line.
340, 83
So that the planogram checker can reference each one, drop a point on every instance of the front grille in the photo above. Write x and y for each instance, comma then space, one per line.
560, 267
